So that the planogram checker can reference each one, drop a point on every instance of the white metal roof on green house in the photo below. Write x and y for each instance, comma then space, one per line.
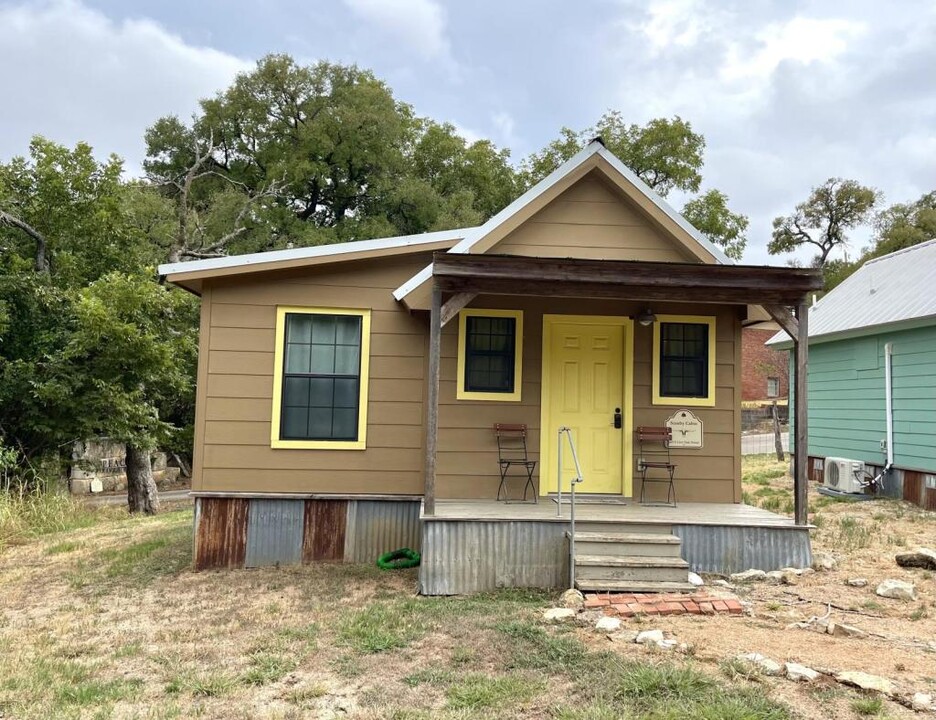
893, 290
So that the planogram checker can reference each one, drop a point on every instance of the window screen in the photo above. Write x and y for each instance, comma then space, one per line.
683, 359
490, 344
321, 377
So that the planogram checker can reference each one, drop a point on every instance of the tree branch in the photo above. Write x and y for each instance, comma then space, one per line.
41, 263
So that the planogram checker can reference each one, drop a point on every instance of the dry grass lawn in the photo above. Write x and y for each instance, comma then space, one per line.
108, 621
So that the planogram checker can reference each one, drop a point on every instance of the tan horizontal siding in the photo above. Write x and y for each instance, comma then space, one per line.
311, 480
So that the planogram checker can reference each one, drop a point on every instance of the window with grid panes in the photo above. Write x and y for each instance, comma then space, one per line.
684, 359
321, 377
490, 344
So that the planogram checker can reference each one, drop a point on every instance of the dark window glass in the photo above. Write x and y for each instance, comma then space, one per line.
321, 377
489, 354
684, 359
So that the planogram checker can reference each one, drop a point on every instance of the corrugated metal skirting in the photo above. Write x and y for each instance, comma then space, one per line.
724, 549
375, 527
258, 532
274, 533
474, 556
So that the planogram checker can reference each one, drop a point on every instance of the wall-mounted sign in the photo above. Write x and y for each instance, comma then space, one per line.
687, 429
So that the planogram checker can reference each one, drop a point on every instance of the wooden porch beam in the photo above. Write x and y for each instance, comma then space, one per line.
454, 304
801, 404
432, 401
785, 319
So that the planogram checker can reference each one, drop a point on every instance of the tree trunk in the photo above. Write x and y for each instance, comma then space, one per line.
141, 487
778, 440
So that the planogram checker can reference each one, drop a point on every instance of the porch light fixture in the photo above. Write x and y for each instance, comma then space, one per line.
646, 318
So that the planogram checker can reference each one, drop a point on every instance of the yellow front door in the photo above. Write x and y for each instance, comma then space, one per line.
584, 389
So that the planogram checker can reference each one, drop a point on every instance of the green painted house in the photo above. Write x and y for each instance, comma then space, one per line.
872, 373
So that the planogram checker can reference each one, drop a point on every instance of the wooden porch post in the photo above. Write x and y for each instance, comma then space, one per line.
432, 400
801, 449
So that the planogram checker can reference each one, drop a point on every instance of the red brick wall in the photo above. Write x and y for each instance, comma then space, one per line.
759, 362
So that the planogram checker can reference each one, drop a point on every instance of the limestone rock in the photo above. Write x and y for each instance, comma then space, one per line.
696, 580
79, 486
649, 637
572, 599
920, 558
588, 618
840, 630
724, 584
763, 663
626, 637
752, 575
800, 673
775, 576
608, 624
788, 576
856, 582
922, 702
896, 590
667, 644
797, 571
558, 614
824, 562
866, 681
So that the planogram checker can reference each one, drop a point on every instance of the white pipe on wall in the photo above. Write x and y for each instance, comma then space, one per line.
889, 401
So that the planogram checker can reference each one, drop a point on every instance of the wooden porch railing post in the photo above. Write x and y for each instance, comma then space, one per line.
432, 400
801, 442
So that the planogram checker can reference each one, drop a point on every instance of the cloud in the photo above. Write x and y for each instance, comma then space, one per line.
786, 95
73, 74
419, 25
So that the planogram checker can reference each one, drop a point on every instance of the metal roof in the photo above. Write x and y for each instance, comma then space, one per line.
895, 288
315, 251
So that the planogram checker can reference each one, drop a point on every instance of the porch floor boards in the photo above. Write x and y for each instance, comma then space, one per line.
686, 513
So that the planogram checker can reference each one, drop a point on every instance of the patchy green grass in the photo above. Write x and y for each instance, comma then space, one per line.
480, 692
868, 706
65, 546
30, 514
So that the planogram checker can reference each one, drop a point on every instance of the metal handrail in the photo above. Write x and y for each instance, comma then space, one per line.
575, 481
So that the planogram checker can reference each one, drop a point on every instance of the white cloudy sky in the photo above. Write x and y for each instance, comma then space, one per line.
786, 93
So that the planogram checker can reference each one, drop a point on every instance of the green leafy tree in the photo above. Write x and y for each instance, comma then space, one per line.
903, 225
824, 219
665, 154
709, 213
129, 357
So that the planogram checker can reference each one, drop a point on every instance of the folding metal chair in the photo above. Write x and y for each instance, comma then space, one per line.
512, 450
654, 449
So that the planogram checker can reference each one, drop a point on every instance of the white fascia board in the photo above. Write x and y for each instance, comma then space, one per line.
657, 200
315, 251
413, 283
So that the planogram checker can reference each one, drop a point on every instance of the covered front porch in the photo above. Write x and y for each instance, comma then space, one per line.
477, 545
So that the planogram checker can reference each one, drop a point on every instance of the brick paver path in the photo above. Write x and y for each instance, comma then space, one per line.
628, 605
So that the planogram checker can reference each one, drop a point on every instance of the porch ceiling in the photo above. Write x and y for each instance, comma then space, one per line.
624, 280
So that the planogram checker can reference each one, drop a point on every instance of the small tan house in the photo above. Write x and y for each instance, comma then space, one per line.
347, 394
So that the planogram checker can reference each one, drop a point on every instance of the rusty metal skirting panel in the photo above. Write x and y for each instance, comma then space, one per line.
375, 527
220, 532
468, 557
274, 533
325, 523
929, 499
725, 550
913, 487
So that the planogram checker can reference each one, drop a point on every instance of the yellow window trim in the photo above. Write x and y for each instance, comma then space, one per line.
461, 393
709, 399
280, 350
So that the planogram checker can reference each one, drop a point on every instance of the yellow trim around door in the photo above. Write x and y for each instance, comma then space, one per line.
548, 450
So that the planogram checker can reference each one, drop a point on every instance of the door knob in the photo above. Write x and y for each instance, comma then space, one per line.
617, 418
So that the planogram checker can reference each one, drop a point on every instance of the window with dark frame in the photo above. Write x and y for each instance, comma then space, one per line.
684, 361
490, 347
321, 377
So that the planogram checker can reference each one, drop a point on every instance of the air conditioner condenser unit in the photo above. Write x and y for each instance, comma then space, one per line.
844, 475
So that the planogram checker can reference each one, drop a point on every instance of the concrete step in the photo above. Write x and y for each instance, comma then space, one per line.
640, 569
625, 586
627, 544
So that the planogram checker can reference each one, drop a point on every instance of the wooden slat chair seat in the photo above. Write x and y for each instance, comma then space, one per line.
512, 452
654, 454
